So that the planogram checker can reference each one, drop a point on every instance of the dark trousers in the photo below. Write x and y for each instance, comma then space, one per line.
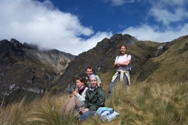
86, 115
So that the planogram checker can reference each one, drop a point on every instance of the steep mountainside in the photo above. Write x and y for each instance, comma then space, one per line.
151, 61
25, 69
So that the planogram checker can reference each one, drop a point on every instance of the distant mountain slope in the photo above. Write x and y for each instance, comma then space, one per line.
151, 61
172, 65
24, 68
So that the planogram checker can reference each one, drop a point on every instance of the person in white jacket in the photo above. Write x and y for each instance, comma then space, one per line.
77, 98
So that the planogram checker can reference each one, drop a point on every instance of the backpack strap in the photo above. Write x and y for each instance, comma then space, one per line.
129, 65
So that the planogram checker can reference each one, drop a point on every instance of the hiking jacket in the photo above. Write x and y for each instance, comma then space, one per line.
94, 99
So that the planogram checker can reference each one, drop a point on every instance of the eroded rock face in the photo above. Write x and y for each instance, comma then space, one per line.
23, 67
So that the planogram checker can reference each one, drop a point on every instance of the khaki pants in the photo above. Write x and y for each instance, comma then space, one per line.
70, 105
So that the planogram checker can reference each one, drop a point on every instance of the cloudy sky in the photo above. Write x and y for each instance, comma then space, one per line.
75, 26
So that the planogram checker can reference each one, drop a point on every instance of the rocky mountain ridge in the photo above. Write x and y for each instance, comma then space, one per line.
24, 68
150, 60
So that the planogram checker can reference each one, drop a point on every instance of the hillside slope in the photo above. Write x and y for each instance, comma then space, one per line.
172, 65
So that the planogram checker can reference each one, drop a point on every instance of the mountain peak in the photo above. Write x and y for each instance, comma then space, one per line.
126, 38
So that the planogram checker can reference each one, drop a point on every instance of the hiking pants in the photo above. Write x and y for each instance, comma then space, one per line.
86, 115
113, 83
70, 105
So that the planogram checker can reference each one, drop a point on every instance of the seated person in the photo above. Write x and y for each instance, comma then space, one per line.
95, 98
76, 99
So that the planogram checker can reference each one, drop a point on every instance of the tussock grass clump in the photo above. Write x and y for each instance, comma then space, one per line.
46, 112
138, 104
14, 114
152, 104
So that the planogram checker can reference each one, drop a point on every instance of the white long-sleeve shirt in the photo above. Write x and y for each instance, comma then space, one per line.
82, 96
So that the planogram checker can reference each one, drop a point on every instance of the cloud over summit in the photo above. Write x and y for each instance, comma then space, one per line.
42, 24
47, 26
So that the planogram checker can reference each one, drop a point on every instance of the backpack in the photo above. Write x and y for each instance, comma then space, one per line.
130, 70
106, 114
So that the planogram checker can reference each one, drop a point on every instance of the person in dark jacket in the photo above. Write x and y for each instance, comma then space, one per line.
95, 98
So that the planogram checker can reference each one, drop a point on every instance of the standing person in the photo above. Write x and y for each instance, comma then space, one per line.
121, 64
77, 97
89, 72
95, 98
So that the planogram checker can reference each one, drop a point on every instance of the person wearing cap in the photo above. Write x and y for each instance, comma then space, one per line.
77, 98
89, 72
95, 98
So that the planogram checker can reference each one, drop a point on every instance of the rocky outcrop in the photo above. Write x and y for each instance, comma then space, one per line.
24, 67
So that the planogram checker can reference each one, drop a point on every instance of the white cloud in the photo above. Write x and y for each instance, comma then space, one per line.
168, 11
121, 2
153, 33
41, 23
170, 2
167, 17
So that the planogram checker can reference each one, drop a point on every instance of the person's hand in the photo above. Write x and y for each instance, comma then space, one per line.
74, 92
71, 95
81, 109
116, 64
99, 85
84, 110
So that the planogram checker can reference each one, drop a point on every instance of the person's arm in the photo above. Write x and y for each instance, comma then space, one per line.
101, 98
125, 63
86, 102
78, 96
82, 96
115, 65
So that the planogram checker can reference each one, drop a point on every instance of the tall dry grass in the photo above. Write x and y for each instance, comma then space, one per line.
138, 104
152, 104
